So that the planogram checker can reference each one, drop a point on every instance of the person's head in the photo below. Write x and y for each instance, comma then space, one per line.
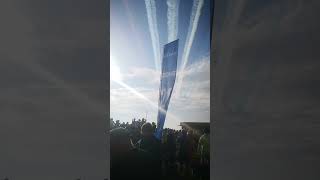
119, 141
206, 130
147, 129
190, 132
184, 132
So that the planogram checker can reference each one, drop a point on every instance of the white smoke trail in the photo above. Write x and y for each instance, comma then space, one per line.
172, 16
153, 27
193, 25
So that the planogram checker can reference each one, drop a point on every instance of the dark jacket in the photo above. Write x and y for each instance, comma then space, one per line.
136, 164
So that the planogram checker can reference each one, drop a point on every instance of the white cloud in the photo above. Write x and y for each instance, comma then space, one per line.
197, 68
147, 75
195, 99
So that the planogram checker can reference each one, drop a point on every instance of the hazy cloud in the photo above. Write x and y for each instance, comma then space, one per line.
196, 88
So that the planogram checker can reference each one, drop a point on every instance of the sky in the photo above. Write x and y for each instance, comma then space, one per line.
132, 53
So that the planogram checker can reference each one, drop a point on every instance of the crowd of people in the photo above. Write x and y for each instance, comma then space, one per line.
136, 153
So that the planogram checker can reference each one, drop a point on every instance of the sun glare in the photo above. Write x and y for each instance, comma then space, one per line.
115, 73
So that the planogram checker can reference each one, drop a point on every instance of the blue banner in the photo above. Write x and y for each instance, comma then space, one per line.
168, 78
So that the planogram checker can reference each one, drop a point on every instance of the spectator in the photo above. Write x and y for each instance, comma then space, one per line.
135, 163
182, 140
142, 156
171, 152
150, 144
204, 151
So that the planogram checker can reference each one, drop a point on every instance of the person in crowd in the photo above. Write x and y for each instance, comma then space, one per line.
171, 143
177, 154
204, 146
171, 152
204, 151
154, 126
117, 123
128, 162
150, 144
190, 147
182, 140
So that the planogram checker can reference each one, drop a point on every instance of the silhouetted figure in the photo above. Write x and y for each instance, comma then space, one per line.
151, 144
186, 150
154, 126
143, 156
128, 162
204, 151
170, 152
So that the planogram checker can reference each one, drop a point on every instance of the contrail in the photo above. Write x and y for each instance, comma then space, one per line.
172, 16
133, 26
193, 25
153, 27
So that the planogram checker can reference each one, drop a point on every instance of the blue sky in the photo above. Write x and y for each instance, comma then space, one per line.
132, 53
